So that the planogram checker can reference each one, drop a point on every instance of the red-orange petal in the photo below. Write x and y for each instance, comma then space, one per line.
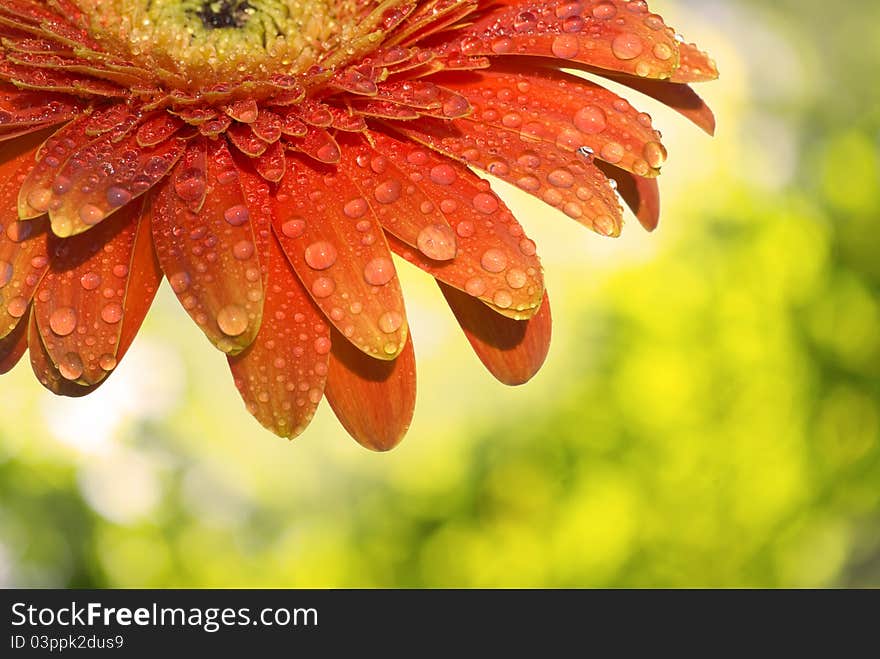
565, 111
512, 350
23, 255
679, 97
616, 35
339, 252
210, 256
410, 215
47, 372
13, 346
373, 400
82, 301
281, 375
494, 261
694, 65
642, 195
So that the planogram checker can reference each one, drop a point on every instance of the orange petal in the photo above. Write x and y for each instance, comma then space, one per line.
338, 251
694, 65
46, 370
617, 35
642, 195
565, 111
410, 215
494, 260
81, 304
512, 350
374, 400
281, 375
33, 110
680, 98
569, 182
84, 194
210, 256
23, 255
13, 347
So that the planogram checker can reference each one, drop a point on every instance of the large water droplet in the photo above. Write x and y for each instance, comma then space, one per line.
63, 321
320, 255
379, 271
232, 320
437, 242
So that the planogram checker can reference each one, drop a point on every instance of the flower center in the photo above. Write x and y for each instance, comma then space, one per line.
193, 44
225, 13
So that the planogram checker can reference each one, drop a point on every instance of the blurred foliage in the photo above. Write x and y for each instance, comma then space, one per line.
709, 414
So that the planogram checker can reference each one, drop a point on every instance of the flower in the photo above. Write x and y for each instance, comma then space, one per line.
268, 156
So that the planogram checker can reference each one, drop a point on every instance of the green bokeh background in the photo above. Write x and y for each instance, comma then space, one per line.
708, 415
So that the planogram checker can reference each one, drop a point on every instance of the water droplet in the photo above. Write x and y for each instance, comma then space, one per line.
437, 242
232, 320
485, 203
516, 278
118, 196
107, 362
390, 322
17, 307
379, 271
237, 215
475, 286
627, 46
356, 208
63, 321
443, 174
322, 345
493, 260
111, 313
90, 281
387, 192
502, 299
90, 214
293, 228
320, 255
243, 250
323, 287
39, 199
180, 281
590, 119
71, 366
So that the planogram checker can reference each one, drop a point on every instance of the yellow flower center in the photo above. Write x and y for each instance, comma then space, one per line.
198, 43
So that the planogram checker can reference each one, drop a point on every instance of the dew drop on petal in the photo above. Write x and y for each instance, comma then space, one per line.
485, 203
63, 321
111, 313
90, 214
627, 46
293, 228
17, 307
322, 345
232, 320
71, 366
387, 192
107, 362
118, 196
180, 281
379, 271
320, 255
243, 250
237, 215
437, 242
390, 322
323, 287
475, 286
493, 260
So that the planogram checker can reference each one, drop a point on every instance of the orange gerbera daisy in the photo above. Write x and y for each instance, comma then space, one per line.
268, 156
